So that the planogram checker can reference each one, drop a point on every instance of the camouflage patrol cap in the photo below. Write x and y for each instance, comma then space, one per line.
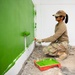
60, 13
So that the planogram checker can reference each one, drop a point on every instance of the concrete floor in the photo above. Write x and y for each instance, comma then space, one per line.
68, 65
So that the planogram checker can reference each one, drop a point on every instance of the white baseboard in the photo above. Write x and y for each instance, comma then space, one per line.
19, 63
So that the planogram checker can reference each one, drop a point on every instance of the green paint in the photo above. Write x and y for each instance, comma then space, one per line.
25, 33
47, 62
12, 64
16, 16
35, 12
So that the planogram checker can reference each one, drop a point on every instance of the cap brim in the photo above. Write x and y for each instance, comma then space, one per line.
56, 15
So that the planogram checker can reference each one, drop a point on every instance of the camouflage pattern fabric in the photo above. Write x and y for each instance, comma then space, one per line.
55, 49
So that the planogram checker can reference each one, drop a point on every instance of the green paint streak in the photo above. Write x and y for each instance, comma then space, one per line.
16, 16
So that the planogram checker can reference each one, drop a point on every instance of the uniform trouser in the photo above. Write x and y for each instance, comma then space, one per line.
56, 49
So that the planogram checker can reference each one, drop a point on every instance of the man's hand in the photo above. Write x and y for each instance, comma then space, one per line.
39, 40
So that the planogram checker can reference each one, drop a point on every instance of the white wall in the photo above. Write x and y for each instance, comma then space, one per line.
46, 22
53, 2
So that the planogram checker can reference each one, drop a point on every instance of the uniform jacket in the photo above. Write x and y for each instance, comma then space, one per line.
60, 34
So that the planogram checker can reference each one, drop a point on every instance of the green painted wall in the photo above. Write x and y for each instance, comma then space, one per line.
16, 16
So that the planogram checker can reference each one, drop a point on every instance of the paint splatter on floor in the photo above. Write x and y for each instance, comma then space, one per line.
68, 65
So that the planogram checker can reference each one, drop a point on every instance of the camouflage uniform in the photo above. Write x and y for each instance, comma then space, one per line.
56, 49
59, 41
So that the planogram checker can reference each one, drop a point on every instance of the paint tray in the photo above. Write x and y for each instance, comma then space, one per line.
47, 63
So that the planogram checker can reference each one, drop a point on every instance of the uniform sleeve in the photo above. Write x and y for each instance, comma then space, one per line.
57, 34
